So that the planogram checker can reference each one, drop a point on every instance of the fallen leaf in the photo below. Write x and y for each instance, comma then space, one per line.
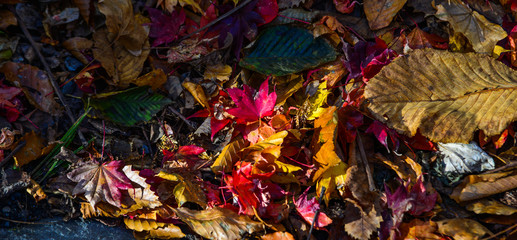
380, 12
36, 191
278, 236
308, 208
482, 34
418, 38
122, 47
361, 224
8, 19
479, 186
102, 209
169, 231
100, 182
129, 106
456, 109
197, 92
252, 105
218, 72
228, 156
187, 191
298, 51
34, 148
155, 79
419, 230
485, 206
34, 83
76, 45
218, 223
85, 8
345, 6
316, 101
139, 224
165, 28
462, 229
169, 4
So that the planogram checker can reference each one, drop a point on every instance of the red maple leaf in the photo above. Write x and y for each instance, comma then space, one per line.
307, 209
252, 106
165, 28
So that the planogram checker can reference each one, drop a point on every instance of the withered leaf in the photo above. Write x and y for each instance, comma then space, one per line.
454, 95
33, 149
228, 156
169, 231
380, 12
34, 83
491, 207
139, 224
462, 229
479, 186
479, 31
361, 224
218, 223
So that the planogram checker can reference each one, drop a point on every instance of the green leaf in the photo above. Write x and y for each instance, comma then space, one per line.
283, 50
129, 106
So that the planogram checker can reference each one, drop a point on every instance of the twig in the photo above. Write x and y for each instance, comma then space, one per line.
23, 222
322, 193
509, 165
49, 73
189, 123
499, 233
371, 184
14, 151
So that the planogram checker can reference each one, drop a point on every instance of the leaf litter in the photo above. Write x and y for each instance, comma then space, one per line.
267, 119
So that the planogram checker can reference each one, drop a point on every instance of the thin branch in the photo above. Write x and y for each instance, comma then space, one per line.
49, 73
322, 193
189, 123
11, 155
371, 184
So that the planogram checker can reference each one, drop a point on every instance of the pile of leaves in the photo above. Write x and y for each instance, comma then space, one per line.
263, 119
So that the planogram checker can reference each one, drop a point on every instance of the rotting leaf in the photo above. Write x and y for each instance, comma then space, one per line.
480, 32
129, 106
380, 12
438, 100
218, 223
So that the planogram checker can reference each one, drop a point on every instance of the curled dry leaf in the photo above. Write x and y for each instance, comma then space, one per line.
482, 34
380, 12
462, 229
6, 139
438, 100
139, 224
479, 186
218, 223
361, 224
34, 83
77, 44
418, 229
219, 72
169, 231
100, 182
8, 19
278, 236
155, 79
491, 207
197, 92
122, 47
228, 156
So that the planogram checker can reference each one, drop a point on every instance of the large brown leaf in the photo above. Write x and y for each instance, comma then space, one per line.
218, 223
448, 99
380, 12
479, 31
361, 224
479, 186
122, 47
228, 156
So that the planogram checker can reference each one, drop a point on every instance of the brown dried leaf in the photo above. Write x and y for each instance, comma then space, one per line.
380, 12
33, 149
7, 19
36, 191
419, 230
155, 79
361, 224
454, 95
197, 92
480, 32
84, 7
462, 229
122, 47
100, 210
491, 207
218, 223
219, 72
229, 155
186, 191
479, 186
35, 85
77, 44
6, 139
